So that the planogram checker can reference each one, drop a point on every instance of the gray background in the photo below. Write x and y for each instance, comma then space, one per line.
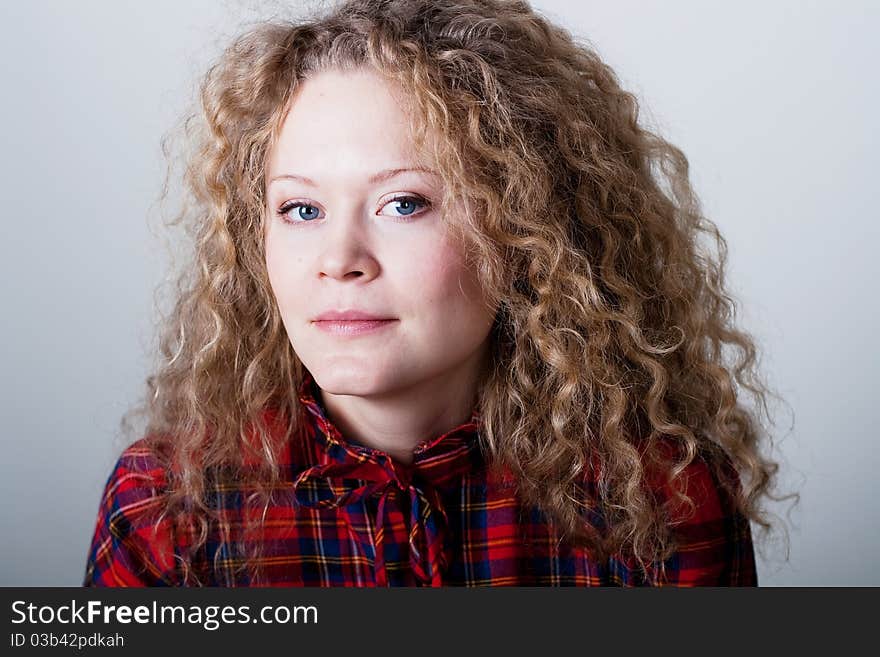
773, 103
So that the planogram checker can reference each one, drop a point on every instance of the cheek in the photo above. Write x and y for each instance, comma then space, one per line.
446, 284
282, 270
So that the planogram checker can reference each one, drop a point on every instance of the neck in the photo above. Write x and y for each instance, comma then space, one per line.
397, 421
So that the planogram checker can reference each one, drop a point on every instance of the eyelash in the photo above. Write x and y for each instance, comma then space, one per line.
291, 205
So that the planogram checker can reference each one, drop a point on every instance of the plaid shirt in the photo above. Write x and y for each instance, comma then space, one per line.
351, 516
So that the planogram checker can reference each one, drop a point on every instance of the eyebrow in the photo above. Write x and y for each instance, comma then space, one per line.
376, 178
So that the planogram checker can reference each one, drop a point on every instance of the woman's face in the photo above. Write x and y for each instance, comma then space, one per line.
350, 227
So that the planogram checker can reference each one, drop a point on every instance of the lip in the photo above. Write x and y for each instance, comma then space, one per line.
349, 315
352, 327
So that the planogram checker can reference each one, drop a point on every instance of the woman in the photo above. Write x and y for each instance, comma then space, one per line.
448, 323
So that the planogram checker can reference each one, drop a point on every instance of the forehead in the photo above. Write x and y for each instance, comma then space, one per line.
340, 119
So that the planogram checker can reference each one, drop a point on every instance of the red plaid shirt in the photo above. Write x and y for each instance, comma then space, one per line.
351, 516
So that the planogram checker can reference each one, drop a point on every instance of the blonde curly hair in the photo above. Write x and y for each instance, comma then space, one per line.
584, 229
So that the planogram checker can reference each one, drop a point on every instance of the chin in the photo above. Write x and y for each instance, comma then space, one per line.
348, 381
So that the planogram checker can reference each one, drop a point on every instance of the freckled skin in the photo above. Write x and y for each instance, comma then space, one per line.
356, 248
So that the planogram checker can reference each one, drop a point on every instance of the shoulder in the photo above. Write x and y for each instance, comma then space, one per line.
137, 474
711, 536
132, 543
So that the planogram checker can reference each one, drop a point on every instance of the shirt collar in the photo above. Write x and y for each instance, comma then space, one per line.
435, 460
348, 473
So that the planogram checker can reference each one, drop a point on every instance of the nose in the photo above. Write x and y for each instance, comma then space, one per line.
346, 253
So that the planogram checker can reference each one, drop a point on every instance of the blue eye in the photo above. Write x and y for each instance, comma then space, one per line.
310, 208
287, 207
408, 204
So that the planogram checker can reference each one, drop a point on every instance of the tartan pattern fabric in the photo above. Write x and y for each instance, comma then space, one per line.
349, 515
